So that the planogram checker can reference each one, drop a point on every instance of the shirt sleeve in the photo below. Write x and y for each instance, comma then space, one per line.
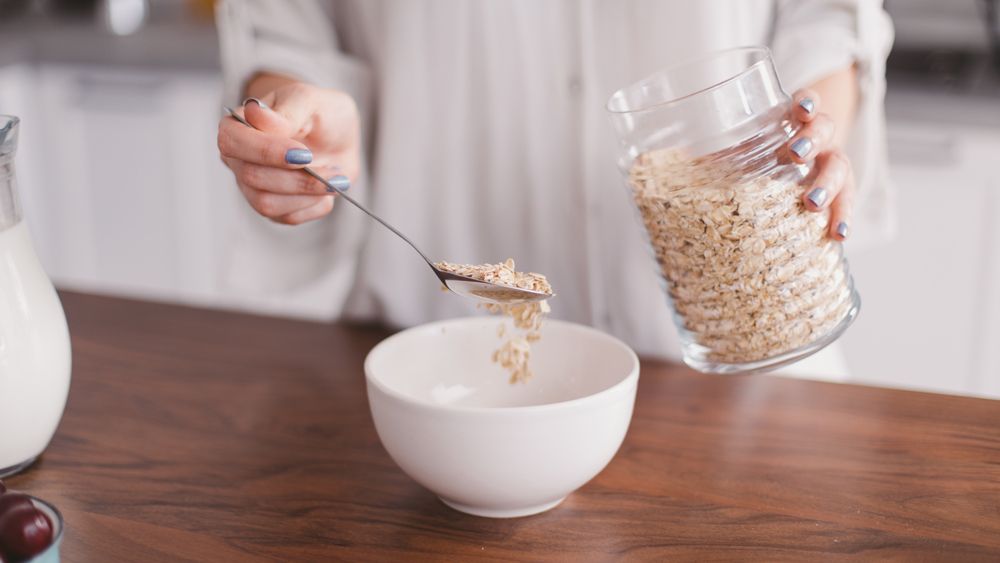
294, 38
815, 38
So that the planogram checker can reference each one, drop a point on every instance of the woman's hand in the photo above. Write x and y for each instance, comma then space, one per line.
297, 125
833, 186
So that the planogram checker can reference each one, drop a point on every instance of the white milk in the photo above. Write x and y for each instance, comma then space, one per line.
34, 351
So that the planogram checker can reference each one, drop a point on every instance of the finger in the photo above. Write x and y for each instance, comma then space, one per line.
832, 171
813, 138
259, 114
311, 213
840, 210
805, 105
244, 143
281, 181
287, 111
274, 205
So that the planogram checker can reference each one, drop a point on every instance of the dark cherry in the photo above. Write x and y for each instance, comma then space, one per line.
13, 501
24, 532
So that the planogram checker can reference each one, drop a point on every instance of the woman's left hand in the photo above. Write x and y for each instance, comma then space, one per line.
833, 184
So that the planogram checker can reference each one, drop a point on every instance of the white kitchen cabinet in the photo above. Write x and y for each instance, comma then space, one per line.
931, 298
134, 190
988, 382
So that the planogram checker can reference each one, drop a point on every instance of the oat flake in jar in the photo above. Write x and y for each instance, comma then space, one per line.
752, 277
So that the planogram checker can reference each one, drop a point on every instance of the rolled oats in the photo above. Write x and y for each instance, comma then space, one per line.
750, 272
514, 353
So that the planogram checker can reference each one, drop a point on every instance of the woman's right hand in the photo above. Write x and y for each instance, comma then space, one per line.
296, 125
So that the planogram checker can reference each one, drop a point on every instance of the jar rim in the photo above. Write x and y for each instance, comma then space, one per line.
8, 134
613, 105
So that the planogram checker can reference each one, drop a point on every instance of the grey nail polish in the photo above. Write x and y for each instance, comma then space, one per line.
298, 156
807, 104
842, 229
258, 102
340, 182
817, 196
802, 146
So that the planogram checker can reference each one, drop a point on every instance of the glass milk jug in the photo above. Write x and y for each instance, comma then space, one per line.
751, 275
34, 341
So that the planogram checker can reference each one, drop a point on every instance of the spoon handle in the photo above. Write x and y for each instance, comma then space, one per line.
331, 187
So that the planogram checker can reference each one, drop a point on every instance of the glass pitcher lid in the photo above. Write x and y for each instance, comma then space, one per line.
8, 134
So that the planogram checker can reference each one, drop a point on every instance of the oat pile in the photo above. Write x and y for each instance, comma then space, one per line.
750, 271
514, 353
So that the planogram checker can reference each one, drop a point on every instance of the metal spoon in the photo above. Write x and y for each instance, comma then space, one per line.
462, 285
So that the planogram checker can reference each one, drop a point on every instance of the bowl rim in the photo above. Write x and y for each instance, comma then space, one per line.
629, 380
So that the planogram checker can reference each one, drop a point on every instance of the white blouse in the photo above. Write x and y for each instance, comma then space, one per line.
487, 138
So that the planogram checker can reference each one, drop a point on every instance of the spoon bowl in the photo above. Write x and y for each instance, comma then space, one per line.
489, 292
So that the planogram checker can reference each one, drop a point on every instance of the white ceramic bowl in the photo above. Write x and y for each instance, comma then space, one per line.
452, 421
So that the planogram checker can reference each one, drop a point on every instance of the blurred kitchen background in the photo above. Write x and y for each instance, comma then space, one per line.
124, 192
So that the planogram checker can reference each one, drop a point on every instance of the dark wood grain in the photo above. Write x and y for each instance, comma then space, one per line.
211, 436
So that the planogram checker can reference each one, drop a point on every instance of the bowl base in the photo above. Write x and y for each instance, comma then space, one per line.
17, 468
503, 513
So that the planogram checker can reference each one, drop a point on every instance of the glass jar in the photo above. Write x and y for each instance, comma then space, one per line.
752, 277
34, 341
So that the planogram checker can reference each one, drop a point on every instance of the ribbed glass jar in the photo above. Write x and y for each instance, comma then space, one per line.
752, 277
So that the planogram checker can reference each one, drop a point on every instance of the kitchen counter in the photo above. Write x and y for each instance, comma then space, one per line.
948, 87
907, 104
211, 436
174, 42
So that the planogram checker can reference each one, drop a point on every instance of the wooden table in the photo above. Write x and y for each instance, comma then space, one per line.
210, 436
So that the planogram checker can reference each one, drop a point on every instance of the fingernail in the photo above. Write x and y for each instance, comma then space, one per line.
802, 146
842, 229
298, 156
817, 196
807, 104
258, 102
340, 182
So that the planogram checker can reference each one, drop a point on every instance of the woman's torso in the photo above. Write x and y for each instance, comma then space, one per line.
489, 141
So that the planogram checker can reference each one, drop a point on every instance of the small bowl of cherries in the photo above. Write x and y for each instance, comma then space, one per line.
30, 529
